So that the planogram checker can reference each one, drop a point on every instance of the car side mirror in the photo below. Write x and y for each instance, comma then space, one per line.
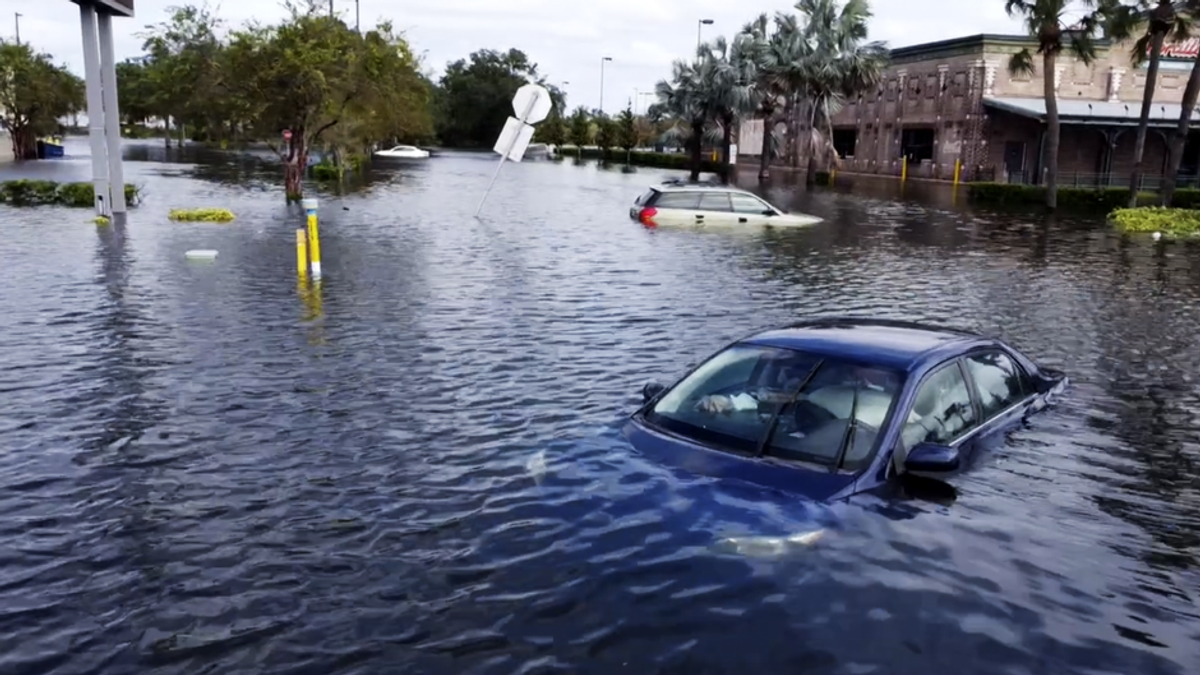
650, 390
768, 212
931, 457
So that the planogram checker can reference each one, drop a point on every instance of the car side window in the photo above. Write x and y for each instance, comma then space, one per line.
999, 381
715, 201
678, 200
941, 411
747, 204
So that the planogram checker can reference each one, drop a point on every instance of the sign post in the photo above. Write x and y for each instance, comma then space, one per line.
532, 104
104, 122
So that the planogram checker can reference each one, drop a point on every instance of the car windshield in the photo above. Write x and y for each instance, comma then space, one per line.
783, 403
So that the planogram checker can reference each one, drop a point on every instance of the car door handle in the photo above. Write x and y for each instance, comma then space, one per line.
699, 217
741, 220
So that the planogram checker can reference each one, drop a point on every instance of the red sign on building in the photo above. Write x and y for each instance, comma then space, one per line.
1181, 49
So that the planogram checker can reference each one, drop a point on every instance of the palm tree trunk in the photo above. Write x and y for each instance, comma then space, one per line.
1179, 138
726, 146
1050, 150
696, 140
810, 171
1139, 145
764, 160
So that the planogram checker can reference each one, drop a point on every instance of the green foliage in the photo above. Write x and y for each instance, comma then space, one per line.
475, 96
580, 131
1075, 198
628, 134
26, 192
327, 171
553, 130
207, 215
1171, 221
34, 94
101, 220
607, 133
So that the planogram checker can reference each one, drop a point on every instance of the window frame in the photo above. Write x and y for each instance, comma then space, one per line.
715, 193
738, 446
976, 409
762, 202
680, 194
1028, 387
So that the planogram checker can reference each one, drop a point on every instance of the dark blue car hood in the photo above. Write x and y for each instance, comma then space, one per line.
674, 451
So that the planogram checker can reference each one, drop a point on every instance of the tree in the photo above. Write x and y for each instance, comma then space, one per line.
581, 129
840, 64
628, 136
475, 95
134, 92
1175, 145
1161, 22
181, 68
773, 55
729, 87
1045, 22
553, 131
685, 100
606, 134
34, 95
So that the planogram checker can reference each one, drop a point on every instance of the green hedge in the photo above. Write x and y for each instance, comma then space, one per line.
658, 160
1157, 219
1100, 199
26, 192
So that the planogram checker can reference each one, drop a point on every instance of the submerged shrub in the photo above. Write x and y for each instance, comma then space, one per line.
201, 215
1157, 219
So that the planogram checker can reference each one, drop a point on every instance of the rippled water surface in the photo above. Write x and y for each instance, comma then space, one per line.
417, 467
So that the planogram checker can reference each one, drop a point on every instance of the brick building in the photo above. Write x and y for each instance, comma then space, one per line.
955, 100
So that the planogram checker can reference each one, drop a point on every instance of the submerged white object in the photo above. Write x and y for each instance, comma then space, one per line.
762, 547
1157, 236
201, 254
403, 152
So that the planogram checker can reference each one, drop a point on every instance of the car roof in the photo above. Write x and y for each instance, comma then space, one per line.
699, 187
901, 345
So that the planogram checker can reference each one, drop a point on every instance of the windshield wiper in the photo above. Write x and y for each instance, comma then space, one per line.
762, 445
851, 427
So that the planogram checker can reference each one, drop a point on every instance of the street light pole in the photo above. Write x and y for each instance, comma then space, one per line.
602, 60
699, 24
357, 29
18, 22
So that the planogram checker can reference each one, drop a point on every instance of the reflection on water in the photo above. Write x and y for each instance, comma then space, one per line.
415, 465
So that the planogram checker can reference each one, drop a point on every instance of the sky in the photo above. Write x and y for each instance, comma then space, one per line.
566, 39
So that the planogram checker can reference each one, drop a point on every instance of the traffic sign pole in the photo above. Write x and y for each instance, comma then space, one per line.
532, 103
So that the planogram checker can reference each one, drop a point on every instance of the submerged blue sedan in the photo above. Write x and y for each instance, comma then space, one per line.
833, 407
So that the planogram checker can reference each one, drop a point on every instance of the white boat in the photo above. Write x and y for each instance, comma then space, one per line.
403, 152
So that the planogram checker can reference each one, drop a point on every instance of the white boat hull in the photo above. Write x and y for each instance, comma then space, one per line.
410, 154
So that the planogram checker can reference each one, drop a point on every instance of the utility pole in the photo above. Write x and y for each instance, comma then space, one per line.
331, 9
357, 29
18, 22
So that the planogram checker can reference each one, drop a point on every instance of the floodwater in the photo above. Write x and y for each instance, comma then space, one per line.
417, 467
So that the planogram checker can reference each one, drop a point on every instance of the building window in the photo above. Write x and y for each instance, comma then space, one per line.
844, 141
917, 144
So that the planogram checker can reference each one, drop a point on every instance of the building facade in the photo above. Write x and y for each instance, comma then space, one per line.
955, 101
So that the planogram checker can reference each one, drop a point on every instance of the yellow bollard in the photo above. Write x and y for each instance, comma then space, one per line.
301, 253
314, 238
957, 171
904, 168
832, 176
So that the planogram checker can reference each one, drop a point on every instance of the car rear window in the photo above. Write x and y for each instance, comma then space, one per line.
678, 200
646, 198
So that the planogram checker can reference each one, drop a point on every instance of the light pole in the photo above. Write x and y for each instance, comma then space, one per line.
602, 60
357, 29
18, 22
700, 24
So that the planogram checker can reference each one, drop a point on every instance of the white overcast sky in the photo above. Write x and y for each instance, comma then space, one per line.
565, 39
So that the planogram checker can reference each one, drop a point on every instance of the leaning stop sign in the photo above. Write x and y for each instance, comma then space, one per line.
287, 134
535, 99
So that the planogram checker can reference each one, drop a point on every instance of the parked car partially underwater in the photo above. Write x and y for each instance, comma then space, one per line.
829, 408
707, 205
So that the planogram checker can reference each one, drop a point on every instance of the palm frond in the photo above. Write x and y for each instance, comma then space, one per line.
1021, 63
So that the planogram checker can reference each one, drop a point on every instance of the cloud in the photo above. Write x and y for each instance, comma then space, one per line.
566, 40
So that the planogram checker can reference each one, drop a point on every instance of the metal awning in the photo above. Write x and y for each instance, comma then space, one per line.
1084, 112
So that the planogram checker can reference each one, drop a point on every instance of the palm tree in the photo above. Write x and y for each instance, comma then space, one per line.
772, 52
1179, 138
841, 64
1161, 22
729, 71
683, 98
1047, 21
